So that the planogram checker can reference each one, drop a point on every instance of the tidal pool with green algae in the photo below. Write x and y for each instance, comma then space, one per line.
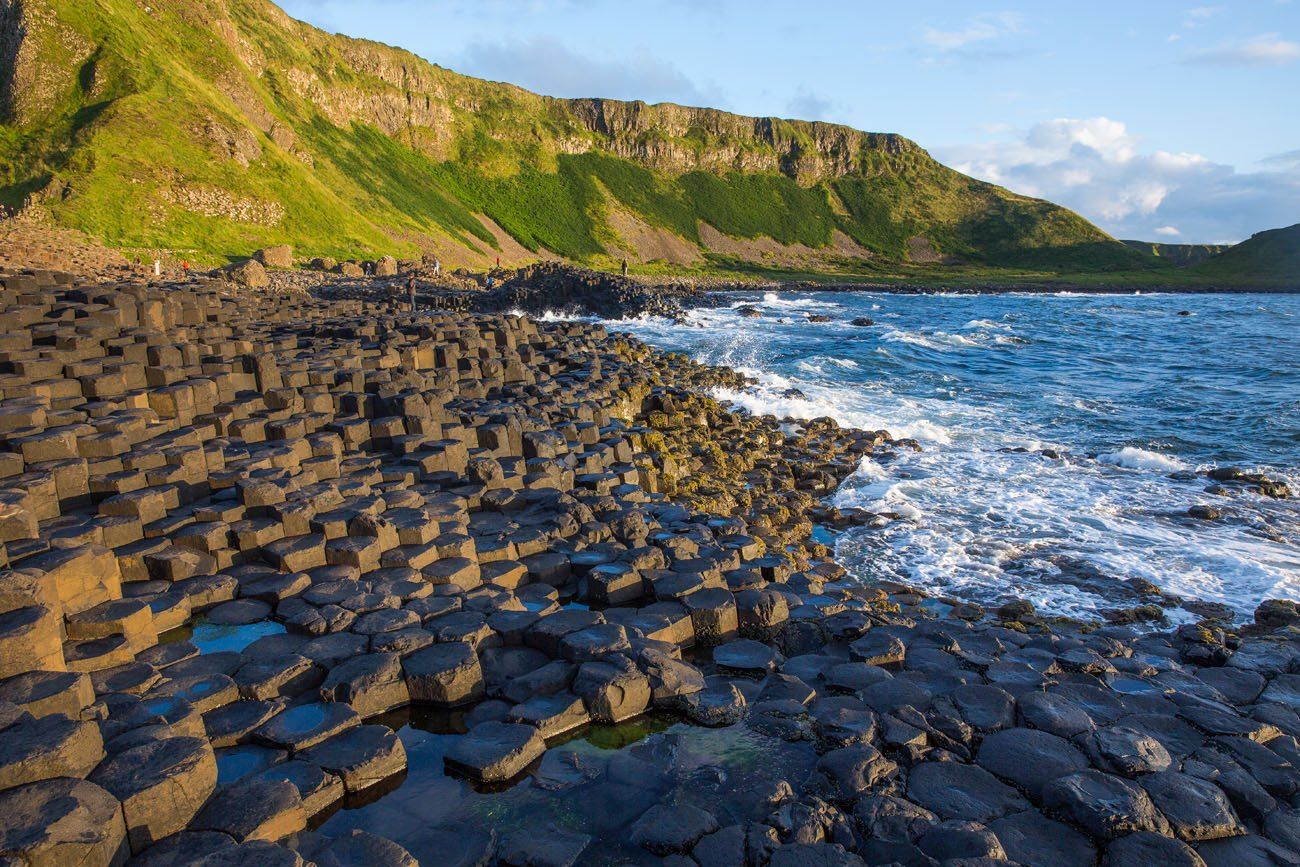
597, 781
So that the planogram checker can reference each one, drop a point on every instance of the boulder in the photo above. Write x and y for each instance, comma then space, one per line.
183, 849
1126, 750
1102, 804
317, 788
371, 684
548, 847
279, 256
54, 746
254, 809
41, 693
358, 848
956, 839
848, 773
1148, 849
162, 785
957, 791
254, 853
814, 855
666, 830
62, 822
361, 756
613, 690
493, 752
1029, 759
1030, 838
446, 674
250, 274
306, 725
1196, 809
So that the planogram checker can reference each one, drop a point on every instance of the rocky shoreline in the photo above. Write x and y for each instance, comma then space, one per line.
295, 575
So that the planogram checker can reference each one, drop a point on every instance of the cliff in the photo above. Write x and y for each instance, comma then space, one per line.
218, 126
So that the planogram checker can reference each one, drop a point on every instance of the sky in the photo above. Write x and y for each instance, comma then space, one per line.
1157, 120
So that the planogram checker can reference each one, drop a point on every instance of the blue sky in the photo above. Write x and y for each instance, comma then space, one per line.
1158, 120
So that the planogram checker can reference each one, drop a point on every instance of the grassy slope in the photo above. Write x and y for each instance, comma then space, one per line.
120, 130
1182, 255
1272, 256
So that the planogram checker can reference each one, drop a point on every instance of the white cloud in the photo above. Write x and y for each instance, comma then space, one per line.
548, 66
1098, 167
1287, 159
806, 105
1200, 14
1267, 49
979, 29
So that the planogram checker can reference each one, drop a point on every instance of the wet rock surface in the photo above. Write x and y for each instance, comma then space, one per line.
553, 286
299, 578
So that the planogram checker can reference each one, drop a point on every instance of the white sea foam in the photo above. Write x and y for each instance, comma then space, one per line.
1141, 459
821, 365
977, 520
549, 315
934, 340
995, 523
788, 302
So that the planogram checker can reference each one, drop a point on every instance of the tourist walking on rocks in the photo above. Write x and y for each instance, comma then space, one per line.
437, 268
410, 290
624, 267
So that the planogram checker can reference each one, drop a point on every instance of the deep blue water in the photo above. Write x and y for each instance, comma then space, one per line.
1134, 396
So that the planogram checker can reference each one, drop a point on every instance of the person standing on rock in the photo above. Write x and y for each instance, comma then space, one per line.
437, 268
410, 290
624, 267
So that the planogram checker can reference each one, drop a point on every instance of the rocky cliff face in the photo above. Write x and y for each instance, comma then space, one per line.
39, 60
658, 136
425, 106
225, 125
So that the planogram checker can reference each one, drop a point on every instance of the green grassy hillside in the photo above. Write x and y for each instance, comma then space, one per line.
1181, 255
1265, 257
220, 126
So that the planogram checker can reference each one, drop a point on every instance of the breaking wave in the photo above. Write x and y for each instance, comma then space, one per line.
1008, 395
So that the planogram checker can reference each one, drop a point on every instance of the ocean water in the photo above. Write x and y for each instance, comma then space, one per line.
1137, 395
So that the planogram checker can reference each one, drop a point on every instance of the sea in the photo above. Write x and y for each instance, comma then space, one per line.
1064, 437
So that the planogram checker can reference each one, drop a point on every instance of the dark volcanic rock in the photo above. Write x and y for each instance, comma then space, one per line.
526, 527
495, 751
1147, 849
957, 791
1196, 809
1032, 839
665, 830
1029, 759
549, 286
1102, 804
